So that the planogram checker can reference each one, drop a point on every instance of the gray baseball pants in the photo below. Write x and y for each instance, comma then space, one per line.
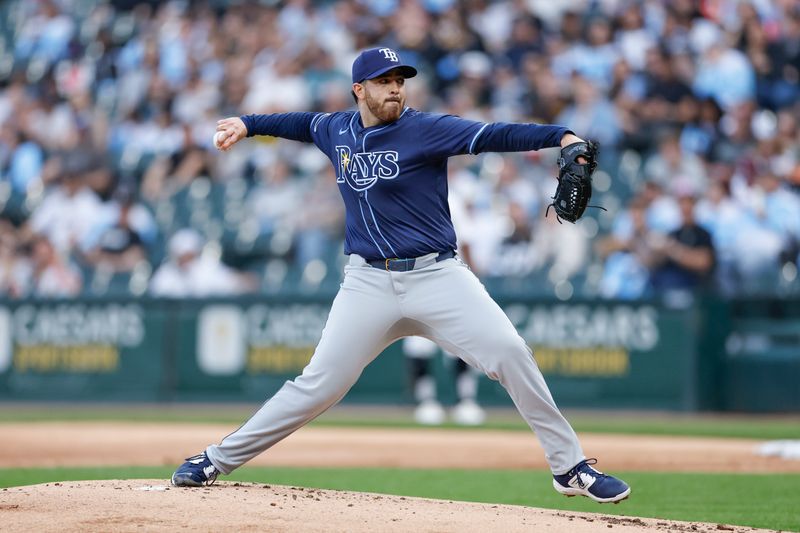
443, 301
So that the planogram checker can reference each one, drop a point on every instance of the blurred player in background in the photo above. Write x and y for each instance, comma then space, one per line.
429, 411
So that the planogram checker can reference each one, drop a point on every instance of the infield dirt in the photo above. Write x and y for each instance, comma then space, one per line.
49, 444
152, 505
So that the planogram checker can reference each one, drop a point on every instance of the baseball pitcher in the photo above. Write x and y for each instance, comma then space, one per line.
403, 277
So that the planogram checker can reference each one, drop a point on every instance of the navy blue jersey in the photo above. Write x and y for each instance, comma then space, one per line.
393, 177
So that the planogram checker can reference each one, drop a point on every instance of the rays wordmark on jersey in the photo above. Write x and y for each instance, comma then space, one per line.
363, 169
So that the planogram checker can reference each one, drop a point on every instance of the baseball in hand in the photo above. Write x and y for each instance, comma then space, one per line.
219, 137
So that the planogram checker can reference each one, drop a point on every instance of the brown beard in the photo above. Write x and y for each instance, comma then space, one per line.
381, 111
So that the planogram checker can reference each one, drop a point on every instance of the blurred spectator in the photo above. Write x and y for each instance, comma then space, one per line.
701, 133
25, 160
674, 169
16, 269
669, 102
275, 199
188, 272
538, 244
683, 260
563, 249
727, 222
118, 241
723, 73
675, 91
592, 114
776, 61
662, 211
53, 275
640, 260
632, 37
628, 257
781, 213
515, 254
321, 76
288, 90
526, 38
69, 208
601, 54
544, 93
46, 34
318, 227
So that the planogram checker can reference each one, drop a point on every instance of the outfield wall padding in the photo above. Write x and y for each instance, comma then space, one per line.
701, 355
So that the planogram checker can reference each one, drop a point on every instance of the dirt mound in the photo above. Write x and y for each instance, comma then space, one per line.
152, 505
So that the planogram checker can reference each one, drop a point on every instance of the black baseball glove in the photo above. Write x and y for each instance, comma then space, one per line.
574, 188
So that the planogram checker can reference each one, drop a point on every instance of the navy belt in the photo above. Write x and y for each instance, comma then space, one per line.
395, 264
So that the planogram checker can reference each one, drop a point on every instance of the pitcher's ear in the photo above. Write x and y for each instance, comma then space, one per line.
358, 90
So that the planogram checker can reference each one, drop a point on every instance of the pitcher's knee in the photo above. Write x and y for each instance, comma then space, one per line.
323, 386
507, 356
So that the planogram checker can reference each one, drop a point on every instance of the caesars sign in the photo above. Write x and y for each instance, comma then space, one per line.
568, 340
260, 339
71, 338
586, 340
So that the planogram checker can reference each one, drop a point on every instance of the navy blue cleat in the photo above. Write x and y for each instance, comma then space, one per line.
195, 472
583, 480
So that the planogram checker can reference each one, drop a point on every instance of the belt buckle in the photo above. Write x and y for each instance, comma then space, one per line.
387, 262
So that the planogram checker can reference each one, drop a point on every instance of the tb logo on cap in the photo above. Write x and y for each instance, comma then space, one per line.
389, 54
378, 61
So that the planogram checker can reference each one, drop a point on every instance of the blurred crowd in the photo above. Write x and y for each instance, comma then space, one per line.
109, 182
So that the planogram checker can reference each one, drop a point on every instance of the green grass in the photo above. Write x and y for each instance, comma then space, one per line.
764, 501
741, 426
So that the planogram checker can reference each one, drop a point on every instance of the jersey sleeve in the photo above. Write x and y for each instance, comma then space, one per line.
509, 137
320, 130
447, 135
292, 126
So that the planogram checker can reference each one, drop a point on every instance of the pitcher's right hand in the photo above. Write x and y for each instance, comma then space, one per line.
232, 131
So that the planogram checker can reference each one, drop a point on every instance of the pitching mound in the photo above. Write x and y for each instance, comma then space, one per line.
152, 505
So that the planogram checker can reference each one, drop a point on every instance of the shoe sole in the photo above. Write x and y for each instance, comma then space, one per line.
569, 492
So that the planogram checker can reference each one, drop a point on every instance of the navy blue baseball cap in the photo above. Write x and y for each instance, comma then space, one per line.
377, 61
